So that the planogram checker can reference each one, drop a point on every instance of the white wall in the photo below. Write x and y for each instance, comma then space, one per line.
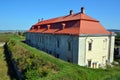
99, 52
111, 53
81, 51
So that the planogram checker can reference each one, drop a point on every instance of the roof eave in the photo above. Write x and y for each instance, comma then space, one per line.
95, 35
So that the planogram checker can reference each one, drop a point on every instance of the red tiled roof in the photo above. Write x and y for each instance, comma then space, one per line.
77, 16
75, 24
91, 27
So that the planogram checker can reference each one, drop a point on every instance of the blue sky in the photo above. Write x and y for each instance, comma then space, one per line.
21, 14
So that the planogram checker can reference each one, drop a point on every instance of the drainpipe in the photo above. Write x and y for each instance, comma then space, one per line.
109, 49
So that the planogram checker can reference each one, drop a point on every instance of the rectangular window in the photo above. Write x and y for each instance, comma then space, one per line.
68, 60
89, 46
57, 55
50, 52
40, 39
104, 44
94, 65
58, 44
69, 46
89, 63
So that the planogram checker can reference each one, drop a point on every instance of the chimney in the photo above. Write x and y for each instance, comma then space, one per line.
42, 19
82, 9
38, 20
71, 12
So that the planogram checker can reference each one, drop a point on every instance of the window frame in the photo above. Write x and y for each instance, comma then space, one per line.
69, 46
89, 63
90, 46
58, 43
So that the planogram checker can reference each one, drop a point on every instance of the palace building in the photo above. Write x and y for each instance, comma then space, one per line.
76, 38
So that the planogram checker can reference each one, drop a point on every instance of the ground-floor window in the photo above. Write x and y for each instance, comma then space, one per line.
94, 65
50, 52
68, 60
89, 63
57, 55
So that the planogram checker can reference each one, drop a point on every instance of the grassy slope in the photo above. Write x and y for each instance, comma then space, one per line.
69, 71
3, 66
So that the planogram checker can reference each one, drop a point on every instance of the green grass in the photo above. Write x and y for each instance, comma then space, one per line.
4, 37
3, 66
46, 67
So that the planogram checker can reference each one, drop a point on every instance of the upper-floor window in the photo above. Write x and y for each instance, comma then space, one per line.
90, 43
40, 39
69, 46
104, 44
90, 46
58, 44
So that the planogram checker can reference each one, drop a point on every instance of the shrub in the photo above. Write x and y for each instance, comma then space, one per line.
32, 74
43, 72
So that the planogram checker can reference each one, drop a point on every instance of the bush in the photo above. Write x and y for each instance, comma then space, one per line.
43, 72
32, 74
30, 64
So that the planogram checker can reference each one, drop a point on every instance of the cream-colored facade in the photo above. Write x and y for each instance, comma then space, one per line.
101, 53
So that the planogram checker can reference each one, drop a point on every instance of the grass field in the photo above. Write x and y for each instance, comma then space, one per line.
3, 66
4, 37
38, 65
35, 63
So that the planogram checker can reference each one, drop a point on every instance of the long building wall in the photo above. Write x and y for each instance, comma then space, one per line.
91, 51
64, 47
